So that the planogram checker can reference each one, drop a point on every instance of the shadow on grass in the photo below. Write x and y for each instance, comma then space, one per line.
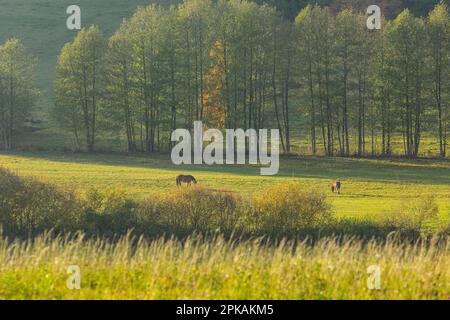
342, 233
388, 171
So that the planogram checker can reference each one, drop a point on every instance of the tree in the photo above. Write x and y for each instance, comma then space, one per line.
305, 49
439, 61
363, 57
346, 29
196, 17
80, 84
121, 84
17, 90
155, 45
407, 39
383, 80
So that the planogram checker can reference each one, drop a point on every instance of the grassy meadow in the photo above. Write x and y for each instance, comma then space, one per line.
370, 187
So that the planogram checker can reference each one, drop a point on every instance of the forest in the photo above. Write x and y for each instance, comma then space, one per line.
321, 77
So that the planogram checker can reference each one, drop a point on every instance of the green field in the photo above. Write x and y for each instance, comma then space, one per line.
370, 187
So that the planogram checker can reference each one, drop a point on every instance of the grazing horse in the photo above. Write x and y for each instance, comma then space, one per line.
186, 179
336, 186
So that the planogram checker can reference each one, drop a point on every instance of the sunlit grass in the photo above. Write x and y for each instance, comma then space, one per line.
370, 187
217, 269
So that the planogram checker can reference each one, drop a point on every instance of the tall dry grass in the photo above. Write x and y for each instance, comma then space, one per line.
221, 269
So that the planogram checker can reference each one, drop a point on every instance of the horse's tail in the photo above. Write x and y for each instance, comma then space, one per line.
178, 181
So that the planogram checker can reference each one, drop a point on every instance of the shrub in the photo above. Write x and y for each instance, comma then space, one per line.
288, 208
190, 209
30, 206
418, 216
110, 212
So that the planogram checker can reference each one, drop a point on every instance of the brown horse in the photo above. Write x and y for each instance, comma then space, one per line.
186, 179
336, 186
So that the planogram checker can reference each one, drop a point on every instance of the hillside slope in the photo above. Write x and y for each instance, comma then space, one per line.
41, 24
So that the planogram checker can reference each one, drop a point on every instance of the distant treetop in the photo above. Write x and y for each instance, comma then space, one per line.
390, 8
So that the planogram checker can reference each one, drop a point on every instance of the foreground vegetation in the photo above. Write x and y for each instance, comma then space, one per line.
220, 269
